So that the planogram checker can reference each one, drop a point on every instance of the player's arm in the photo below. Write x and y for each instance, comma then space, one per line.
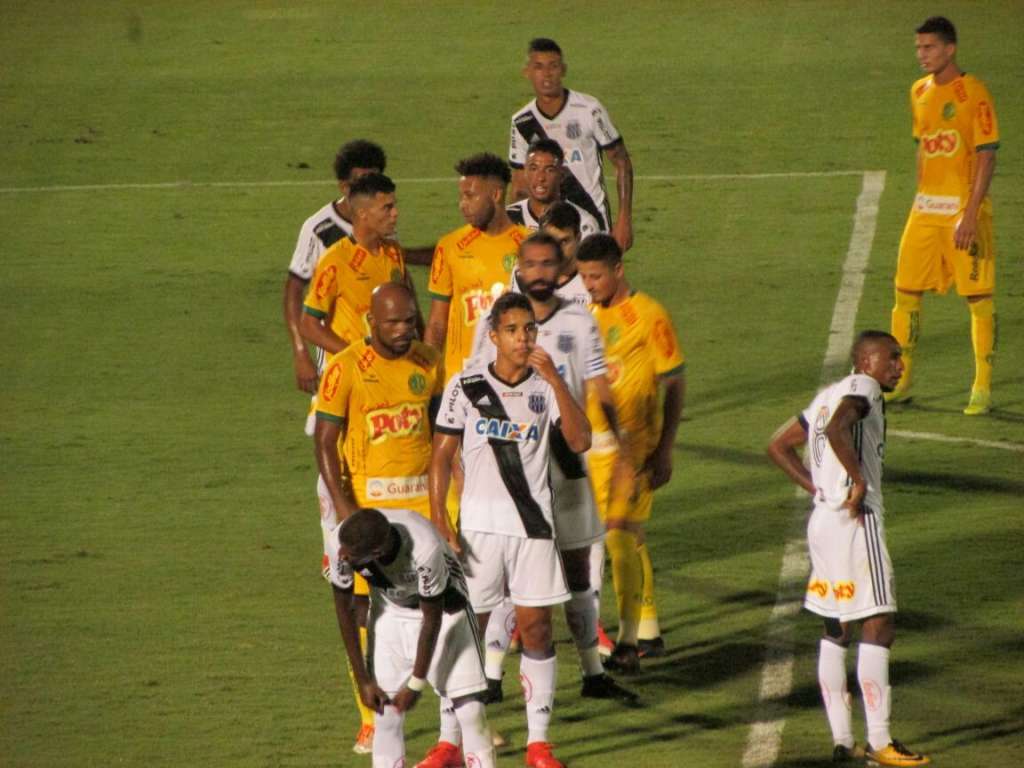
659, 463
622, 230
325, 443
573, 421
430, 629
839, 432
437, 324
315, 330
782, 449
369, 691
445, 446
305, 371
967, 227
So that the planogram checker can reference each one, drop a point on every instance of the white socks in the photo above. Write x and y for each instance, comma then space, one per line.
832, 679
873, 676
581, 616
497, 637
538, 678
388, 739
477, 748
450, 731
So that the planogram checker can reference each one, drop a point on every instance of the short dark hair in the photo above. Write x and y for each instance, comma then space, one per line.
562, 215
542, 239
358, 154
547, 146
939, 26
371, 184
868, 337
600, 247
543, 45
364, 529
484, 164
506, 302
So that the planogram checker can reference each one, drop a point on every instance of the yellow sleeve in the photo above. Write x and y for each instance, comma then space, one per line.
440, 286
985, 125
668, 357
335, 387
323, 288
915, 128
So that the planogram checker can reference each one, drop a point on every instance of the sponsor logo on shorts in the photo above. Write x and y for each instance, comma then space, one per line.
513, 431
941, 143
380, 488
820, 588
402, 420
844, 590
943, 205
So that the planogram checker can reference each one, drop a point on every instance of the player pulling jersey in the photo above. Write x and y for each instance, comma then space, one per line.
583, 128
520, 213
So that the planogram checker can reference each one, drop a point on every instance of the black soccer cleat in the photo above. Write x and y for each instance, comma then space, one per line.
650, 649
494, 693
843, 755
624, 659
602, 686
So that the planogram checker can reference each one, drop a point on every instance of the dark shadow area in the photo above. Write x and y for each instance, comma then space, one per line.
958, 482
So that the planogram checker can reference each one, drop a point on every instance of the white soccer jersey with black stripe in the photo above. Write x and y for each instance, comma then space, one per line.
520, 213
583, 129
425, 566
318, 233
512, 498
827, 472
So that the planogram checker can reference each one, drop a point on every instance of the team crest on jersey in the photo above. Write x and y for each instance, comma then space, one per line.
417, 383
508, 261
614, 334
535, 402
565, 343
572, 130
948, 111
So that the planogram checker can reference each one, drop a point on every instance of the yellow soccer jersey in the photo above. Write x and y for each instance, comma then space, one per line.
950, 124
384, 405
344, 280
640, 347
470, 269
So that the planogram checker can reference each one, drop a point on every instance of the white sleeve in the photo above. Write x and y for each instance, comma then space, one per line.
432, 573
604, 131
451, 417
516, 147
588, 225
593, 351
308, 250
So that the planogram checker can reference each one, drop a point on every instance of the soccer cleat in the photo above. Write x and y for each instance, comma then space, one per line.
538, 755
895, 753
842, 754
605, 646
364, 740
494, 693
650, 649
444, 754
604, 687
624, 659
981, 402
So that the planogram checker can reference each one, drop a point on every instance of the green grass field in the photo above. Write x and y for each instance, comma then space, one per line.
160, 597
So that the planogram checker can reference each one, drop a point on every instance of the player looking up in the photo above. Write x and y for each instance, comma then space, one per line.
545, 168
948, 235
644, 360
851, 581
581, 126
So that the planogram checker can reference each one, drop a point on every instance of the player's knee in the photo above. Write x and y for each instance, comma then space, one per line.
535, 630
577, 569
837, 632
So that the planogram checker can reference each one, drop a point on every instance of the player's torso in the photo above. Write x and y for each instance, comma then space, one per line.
566, 337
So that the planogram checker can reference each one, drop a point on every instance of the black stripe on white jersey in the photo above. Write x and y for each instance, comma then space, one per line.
876, 565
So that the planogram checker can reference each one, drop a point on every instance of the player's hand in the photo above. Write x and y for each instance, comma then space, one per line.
622, 231
659, 466
966, 229
542, 363
405, 699
855, 499
305, 372
373, 696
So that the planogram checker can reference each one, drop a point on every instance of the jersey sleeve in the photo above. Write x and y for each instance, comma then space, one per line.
335, 387
432, 573
440, 285
861, 386
588, 225
516, 147
668, 357
594, 363
324, 287
915, 127
605, 132
985, 125
307, 251
342, 576
478, 353
451, 418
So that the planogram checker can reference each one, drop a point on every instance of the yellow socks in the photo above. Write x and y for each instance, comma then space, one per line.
627, 577
906, 327
649, 629
365, 713
983, 339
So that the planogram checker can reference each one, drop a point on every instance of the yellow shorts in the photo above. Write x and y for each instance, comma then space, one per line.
617, 499
929, 261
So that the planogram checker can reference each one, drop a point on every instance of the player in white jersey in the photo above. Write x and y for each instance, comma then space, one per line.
503, 416
544, 171
569, 334
421, 627
582, 127
562, 222
843, 430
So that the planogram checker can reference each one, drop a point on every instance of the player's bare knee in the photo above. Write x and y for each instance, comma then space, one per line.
535, 630
879, 630
837, 632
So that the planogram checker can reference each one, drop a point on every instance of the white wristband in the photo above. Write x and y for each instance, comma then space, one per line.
415, 683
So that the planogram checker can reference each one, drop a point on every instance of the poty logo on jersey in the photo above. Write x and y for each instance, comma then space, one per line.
479, 302
941, 143
325, 282
399, 421
378, 488
502, 429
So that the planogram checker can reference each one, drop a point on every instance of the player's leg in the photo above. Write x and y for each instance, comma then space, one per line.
906, 328
394, 651
832, 650
649, 642
623, 546
975, 279
918, 269
500, 626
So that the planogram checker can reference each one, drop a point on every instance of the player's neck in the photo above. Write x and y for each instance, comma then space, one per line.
537, 208
394, 544
343, 209
622, 293
542, 310
552, 105
499, 223
384, 351
948, 74
568, 271
508, 372
370, 240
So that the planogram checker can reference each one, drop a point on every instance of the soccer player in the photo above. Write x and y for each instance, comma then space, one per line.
562, 222
644, 359
545, 168
948, 235
569, 334
318, 233
372, 437
851, 581
581, 126
422, 628
503, 415
472, 264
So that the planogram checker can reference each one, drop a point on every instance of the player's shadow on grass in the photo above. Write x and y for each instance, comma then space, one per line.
713, 663
725, 455
958, 482
992, 729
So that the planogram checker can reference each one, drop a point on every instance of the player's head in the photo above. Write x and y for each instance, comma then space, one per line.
544, 163
562, 222
539, 265
373, 203
877, 354
599, 261
358, 158
482, 181
363, 537
392, 319
513, 328
935, 41
545, 67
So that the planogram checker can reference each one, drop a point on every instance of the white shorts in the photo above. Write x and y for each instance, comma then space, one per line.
528, 570
575, 512
851, 573
457, 668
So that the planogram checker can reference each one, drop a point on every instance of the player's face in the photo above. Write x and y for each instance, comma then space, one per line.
354, 175
567, 240
476, 200
539, 266
381, 214
883, 362
394, 325
543, 177
601, 279
515, 336
544, 70
933, 53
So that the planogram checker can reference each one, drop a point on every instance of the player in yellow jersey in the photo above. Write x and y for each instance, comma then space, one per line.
643, 358
948, 236
372, 418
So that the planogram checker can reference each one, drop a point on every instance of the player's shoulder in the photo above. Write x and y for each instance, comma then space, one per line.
424, 355
526, 111
921, 86
339, 250
974, 86
572, 312
648, 306
859, 385
459, 239
580, 100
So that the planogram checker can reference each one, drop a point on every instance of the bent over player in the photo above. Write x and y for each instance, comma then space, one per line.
948, 236
503, 414
422, 628
851, 574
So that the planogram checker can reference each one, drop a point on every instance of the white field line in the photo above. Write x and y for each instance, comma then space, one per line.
420, 180
934, 436
765, 736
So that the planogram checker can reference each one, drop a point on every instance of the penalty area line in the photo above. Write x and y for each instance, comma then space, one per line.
765, 738
936, 437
